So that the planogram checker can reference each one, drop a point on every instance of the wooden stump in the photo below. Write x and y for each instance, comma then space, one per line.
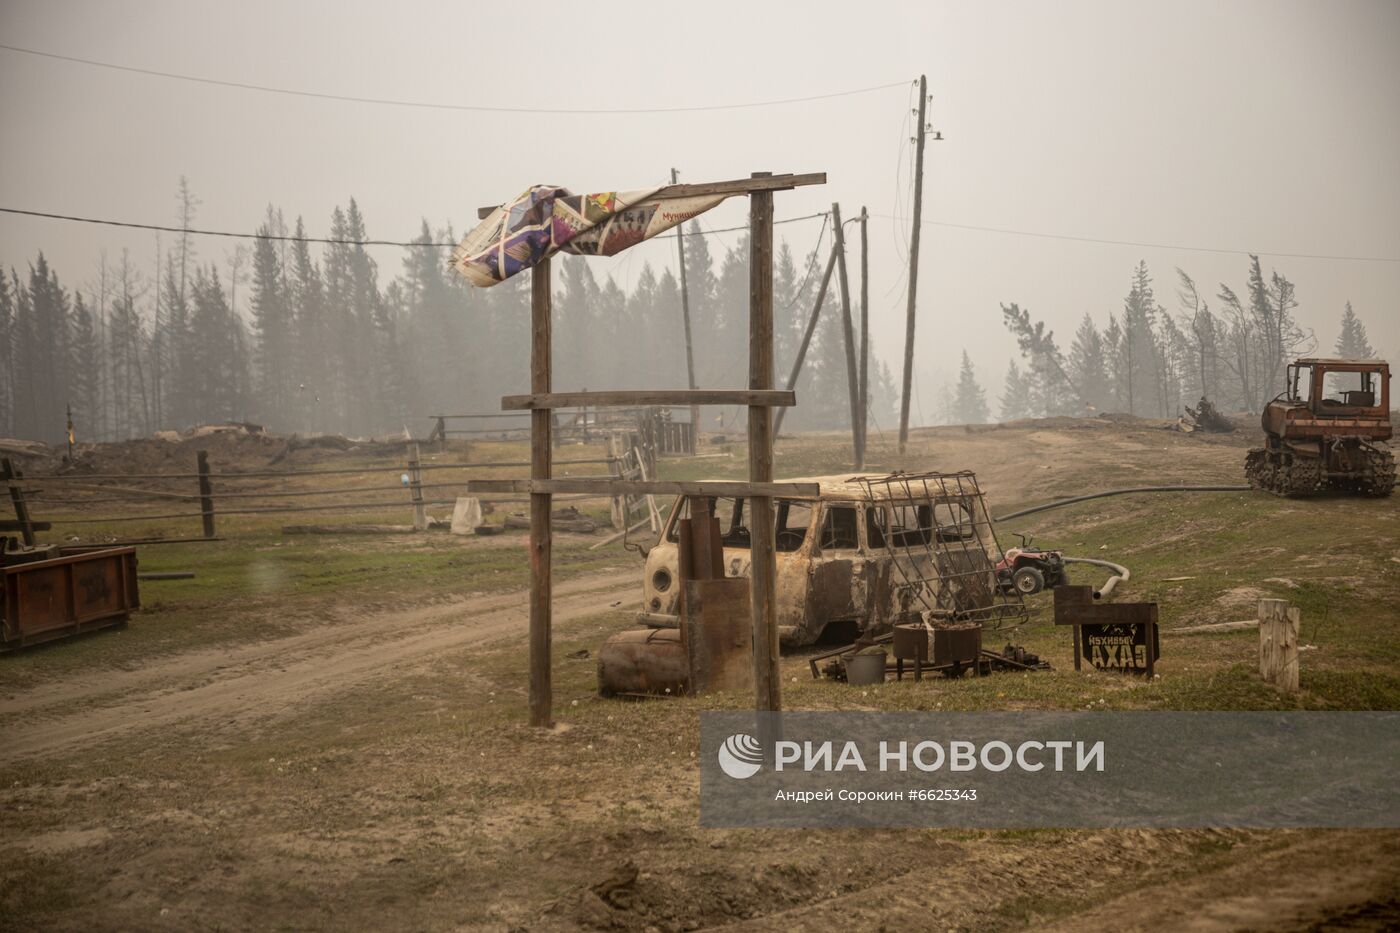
1278, 643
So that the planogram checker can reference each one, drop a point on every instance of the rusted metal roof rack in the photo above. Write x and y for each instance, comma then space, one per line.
944, 547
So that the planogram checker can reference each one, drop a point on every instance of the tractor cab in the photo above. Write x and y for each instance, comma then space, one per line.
1327, 430
1323, 396
1332, 388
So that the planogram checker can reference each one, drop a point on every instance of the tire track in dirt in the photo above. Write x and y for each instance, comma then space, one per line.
1333, 875
236, 686
1318, 877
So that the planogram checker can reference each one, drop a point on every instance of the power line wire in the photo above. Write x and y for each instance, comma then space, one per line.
1194, 249
706, 231
431, 105
304, 239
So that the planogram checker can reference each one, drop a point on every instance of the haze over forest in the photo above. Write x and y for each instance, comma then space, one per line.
1212, 132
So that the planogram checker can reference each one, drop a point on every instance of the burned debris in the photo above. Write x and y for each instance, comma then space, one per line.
1205, 417
909, 558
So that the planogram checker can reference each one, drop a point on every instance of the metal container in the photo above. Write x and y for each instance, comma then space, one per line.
865, 669
643, 661
957, 644
911, 642
62, 596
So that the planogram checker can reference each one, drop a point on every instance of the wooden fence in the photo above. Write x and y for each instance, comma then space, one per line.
208, 494
656, 427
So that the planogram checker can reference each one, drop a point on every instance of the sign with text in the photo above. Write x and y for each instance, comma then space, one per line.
1110, 636
1024, 769
1119, 646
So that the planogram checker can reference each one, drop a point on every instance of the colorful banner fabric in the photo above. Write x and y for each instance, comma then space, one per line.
546, 220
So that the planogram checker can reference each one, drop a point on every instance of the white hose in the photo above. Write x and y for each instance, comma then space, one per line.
1120, 573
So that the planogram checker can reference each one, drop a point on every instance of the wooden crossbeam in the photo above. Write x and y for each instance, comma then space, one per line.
604, 486
736, 186
670, 398
7, 524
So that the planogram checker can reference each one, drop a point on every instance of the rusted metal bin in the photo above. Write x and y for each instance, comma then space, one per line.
957, 644
45, 599
639, 662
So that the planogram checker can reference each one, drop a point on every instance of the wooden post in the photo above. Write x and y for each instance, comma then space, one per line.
685, 317
763, 572
206, 492
12, 478
913, 267
415, 488
852, 377
865, 339
541, 543
649, 473
1278, 643
806, 339
618, 503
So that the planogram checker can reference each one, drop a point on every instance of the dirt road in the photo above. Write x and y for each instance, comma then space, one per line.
232, 687
1296, 881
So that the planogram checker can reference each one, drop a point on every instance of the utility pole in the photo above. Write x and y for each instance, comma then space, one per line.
806, 340
913, 264
685, 316
864, 336
852, 377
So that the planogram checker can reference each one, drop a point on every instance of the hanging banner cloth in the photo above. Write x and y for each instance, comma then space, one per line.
546, 220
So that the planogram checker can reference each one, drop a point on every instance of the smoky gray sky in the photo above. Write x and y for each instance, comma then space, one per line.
1271, 127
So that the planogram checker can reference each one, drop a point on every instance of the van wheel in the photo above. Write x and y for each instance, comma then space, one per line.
1028, 581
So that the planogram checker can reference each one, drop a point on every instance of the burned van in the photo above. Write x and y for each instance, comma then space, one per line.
866, 551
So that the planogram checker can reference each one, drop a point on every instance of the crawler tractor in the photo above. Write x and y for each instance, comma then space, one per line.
1327, 430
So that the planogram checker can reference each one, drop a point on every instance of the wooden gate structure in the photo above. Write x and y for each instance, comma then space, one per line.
760, 397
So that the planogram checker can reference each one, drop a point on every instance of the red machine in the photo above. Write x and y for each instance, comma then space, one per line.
1029, 569
1327, 430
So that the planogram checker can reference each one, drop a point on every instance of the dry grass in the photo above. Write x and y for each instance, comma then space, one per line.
415, 797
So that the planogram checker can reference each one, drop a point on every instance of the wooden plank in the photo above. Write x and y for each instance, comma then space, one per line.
763, 571
650, 500
348, 529
541, 534
606, 486
8, 524
765, 182
1278, 643
715, 626
670, 398
22, 518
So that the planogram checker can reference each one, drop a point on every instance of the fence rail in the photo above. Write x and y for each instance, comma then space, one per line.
582, 422
206, 495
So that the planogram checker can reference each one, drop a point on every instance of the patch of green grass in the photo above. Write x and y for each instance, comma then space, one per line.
267, 585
